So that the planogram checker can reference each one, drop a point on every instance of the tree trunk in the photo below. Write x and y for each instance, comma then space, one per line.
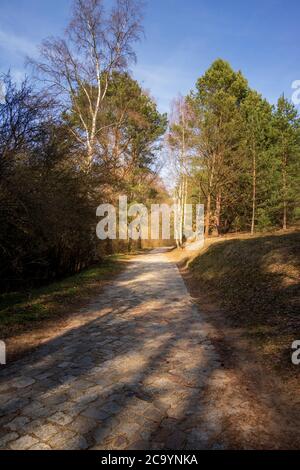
181, 196
90, 154
284, 215
253, 195
218, 212
184, 202
285, 204
208, 200
178, 215
207, 216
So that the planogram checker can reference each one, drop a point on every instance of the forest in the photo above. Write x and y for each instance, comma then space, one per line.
236, 153
80, 131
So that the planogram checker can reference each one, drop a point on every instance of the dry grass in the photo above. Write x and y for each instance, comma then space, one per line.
255, 280
247, 289
25, 311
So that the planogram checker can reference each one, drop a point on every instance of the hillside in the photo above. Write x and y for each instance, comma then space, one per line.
256, 282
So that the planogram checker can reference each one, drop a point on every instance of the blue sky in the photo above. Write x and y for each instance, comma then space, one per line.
183, 37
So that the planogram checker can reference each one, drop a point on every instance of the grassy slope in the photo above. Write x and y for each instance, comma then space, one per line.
256, 280
21, 312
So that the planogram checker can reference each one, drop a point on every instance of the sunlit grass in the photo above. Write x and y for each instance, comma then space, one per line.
257, 281
27, 308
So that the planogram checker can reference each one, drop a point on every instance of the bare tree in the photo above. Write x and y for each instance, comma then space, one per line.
21, 115
178, 142
96, 43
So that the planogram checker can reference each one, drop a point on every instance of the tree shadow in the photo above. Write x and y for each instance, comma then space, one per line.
250, 294
139, 371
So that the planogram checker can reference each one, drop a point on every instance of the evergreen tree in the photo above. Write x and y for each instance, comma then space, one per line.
287, 149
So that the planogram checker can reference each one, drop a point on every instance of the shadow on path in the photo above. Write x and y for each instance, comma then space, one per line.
135, 371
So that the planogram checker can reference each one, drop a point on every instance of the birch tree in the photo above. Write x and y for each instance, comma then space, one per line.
96, 43
179, 143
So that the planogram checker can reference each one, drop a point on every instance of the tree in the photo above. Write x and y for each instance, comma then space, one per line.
134, 142
96, 44
242, 156
126, 151
179, 140
256, 133
46, 220
287, 147
216, 102
20, 115
58, 163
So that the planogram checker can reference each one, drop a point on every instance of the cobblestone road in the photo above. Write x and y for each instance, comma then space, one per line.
130, 372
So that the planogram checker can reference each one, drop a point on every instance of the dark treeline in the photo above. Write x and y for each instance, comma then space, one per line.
86, 135
237, 154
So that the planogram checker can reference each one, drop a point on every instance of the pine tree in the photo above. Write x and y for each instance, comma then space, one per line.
287, 147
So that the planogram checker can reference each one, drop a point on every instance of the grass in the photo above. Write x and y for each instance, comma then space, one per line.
23, 311
256, 281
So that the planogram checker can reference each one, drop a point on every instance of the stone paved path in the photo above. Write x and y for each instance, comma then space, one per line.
131, 372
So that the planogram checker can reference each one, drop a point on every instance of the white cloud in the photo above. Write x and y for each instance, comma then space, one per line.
13, 44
